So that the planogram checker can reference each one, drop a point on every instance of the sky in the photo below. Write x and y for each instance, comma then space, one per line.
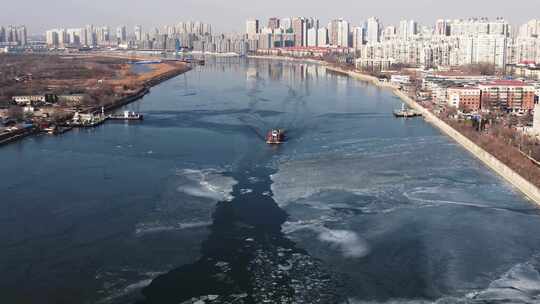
230, 15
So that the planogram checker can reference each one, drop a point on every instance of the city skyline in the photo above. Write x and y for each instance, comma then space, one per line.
161, 12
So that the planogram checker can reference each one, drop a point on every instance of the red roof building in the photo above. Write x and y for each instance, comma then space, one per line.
507, 95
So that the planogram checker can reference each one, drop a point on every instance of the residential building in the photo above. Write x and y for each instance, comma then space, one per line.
531, 29
507, 95
312, 35
121, 34
373, 34
357, 37
464, 98
273, 23
322, 37
407, 29
285, 24
252, 28
138, 33
298, 26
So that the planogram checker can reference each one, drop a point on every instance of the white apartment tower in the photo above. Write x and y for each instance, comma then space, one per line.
138, 33
407, 29
121, 33
339, 33
357, 37
373, 34
322, 37
252, 28
312, 37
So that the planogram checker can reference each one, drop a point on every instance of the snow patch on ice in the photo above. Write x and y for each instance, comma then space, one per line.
147, 228
207, 183
349, 242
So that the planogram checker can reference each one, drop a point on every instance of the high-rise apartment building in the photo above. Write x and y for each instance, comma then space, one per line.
252, 28
2, 34
73, 37
373, 34
442, 28
490, 49
357, 37
339, 33
298, 26
407, 29
121, 33
389, 33
103, 36
322, 37
313, 37
285, 24
138, 33
51, 38
273, 23
21, 38
207, 29
90, 36
530, 29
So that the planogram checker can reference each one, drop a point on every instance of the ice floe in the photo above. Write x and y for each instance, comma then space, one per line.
146, 228
207, 183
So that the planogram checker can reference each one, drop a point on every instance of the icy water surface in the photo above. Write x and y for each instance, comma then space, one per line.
192, 206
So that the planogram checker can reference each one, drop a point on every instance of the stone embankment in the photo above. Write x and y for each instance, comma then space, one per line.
523, 185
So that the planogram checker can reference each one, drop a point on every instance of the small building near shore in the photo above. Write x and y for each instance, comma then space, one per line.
72, 98
24, 100
400, 79
464, 98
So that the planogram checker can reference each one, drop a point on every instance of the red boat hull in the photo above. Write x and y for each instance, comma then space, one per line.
275, 137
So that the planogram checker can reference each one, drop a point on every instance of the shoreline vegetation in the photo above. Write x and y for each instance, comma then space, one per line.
503, 167
106, 81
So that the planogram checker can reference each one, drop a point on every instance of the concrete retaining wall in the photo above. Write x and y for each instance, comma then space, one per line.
530, 190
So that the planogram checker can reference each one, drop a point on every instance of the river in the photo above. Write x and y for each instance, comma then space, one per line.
191, 204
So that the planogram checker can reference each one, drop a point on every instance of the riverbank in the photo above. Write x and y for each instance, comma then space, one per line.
520, 183
132, 87
526, 187
8, 137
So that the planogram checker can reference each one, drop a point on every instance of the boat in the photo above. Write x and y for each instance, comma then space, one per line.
404, 112
51, 130
275, 137
126, 116
88, 120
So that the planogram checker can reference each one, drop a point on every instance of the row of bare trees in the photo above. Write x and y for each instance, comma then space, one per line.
501, 139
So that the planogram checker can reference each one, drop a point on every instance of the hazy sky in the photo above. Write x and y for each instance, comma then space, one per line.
230, 15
